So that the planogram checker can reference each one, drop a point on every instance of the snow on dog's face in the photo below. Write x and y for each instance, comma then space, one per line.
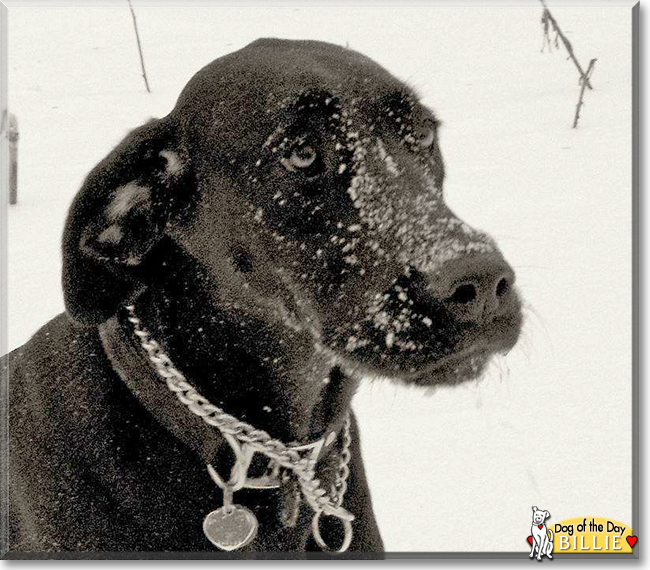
321, 182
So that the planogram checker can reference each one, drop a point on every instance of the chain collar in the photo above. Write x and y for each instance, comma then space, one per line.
245, 441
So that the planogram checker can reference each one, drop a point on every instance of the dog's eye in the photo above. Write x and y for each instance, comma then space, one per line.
302, 157
425, 138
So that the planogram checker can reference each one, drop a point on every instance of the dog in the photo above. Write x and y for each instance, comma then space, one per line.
277, 237
542, 537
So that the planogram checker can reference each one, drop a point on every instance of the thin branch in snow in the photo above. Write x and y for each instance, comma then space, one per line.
137, 38
549, 21
584, 82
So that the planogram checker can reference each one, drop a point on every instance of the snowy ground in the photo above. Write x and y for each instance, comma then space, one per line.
551, 424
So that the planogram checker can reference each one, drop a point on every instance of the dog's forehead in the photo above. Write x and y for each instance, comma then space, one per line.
269, 73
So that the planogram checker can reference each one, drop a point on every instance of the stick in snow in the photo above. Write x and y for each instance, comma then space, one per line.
584, 80
547, 18
137, 38
585, 77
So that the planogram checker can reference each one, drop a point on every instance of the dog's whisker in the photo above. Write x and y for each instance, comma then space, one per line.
534, 319
540, 267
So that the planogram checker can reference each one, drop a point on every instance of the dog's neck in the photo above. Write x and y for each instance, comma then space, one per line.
273, 378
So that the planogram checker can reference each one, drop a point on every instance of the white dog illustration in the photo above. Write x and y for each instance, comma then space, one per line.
541, 539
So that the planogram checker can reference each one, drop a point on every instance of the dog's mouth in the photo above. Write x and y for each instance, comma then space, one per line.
468, 363
450, 354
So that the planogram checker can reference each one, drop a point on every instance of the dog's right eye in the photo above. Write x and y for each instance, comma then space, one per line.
304, 159
301, 157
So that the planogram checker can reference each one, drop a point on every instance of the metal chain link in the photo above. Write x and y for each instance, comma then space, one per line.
341, 484
304, 468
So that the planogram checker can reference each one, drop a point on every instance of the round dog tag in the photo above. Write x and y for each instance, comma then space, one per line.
230, 528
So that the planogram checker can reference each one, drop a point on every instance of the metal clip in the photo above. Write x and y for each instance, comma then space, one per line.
346, 519
243, 457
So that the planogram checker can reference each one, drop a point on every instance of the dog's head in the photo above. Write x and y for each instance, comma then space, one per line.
307, 184
540, 516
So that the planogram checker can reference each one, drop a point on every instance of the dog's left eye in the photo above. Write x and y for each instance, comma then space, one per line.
302, 157
425, 139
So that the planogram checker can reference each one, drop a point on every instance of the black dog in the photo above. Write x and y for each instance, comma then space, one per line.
281, 233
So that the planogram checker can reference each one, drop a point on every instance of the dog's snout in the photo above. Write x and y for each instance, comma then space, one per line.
474, 289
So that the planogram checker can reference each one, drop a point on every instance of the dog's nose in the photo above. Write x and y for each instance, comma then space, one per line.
474, 289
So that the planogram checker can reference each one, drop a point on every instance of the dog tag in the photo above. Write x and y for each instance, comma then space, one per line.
230, 528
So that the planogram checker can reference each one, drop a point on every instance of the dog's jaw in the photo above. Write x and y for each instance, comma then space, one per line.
232, 352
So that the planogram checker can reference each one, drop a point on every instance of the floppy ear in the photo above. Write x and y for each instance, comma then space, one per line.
547, 514
117, 219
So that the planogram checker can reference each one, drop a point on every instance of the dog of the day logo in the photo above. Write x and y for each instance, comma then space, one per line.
596, 535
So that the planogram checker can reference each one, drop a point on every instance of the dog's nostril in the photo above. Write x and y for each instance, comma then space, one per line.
464, 294
502, 287
474, 289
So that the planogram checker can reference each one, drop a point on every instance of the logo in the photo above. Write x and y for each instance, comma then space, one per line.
595, 535
541, 538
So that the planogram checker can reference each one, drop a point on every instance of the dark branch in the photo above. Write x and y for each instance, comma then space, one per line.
137, 38
584, 80
547, 18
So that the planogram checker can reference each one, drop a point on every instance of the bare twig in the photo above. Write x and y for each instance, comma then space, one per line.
583, 81
12, 137
548, 22
547, 18
137, 38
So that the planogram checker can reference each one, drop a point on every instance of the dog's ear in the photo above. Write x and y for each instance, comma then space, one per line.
117, 219
547, 514
534, 509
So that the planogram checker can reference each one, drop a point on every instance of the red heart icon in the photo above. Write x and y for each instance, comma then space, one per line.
530, 540
540, 525
631, 540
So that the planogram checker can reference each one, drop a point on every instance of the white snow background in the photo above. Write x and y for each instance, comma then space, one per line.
550, 424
